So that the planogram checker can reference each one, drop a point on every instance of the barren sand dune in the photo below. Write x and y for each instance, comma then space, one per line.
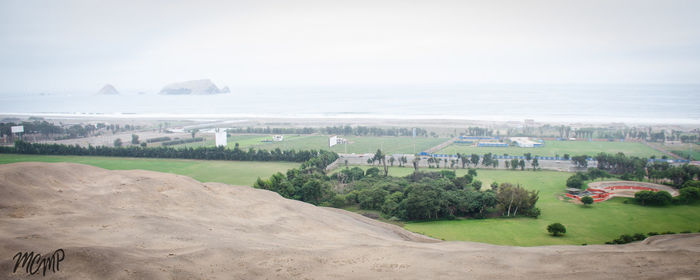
149, 225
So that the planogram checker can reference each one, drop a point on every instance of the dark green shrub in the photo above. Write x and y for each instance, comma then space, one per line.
556, 229
587, 200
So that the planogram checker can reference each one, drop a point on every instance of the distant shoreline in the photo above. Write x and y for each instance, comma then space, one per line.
371, 118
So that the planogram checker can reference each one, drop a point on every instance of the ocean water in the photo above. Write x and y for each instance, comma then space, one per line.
678, 104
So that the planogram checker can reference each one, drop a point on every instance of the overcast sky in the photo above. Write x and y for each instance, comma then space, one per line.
142, 45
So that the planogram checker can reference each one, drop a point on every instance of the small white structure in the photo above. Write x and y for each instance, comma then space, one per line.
525, 142
221, 138
278, 138
17, 129
335, 140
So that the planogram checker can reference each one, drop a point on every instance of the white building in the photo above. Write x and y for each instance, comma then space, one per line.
278, 138
221, 138
525, 142
335, 140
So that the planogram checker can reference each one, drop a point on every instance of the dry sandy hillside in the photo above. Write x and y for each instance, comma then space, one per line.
149, 225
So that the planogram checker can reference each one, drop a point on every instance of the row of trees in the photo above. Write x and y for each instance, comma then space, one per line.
675, 176
340, 130
46, 129
319, 159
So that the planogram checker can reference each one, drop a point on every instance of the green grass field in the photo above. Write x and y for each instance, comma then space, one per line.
694, 155
595, 225
553, 148
230, 172
359, 144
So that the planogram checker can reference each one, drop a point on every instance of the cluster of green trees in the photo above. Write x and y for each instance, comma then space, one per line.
633, 168
639, 133
675, 176
318, 159
628, 167
678, 176
660, 198
687, 195
419, 196
46, 129
38, 126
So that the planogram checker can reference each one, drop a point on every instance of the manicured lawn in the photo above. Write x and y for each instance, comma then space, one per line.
356, 144
230, 172
602, 222
553, 148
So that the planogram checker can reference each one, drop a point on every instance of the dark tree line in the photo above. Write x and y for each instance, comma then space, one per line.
46, 129
38, 127
314, 158
340, 130
619, 164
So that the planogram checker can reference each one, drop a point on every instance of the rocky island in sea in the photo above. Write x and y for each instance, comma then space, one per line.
194, 87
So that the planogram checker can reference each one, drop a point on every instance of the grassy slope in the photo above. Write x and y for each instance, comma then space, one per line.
595, 225
552, 148
364, 144
230, 172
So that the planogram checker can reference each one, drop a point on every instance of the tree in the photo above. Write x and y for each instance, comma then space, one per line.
391, 160
194, 132
587, 200
574, 182
472, 172
522, 164
535, 164
372, 172
118, 142
415, 162
477, 185
512, 199
312, 191
381, 157
514, 163
475, 159
689, 194
580, 161
556, 229
134, 139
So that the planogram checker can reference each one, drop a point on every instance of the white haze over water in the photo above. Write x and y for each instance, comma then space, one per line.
676, 104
